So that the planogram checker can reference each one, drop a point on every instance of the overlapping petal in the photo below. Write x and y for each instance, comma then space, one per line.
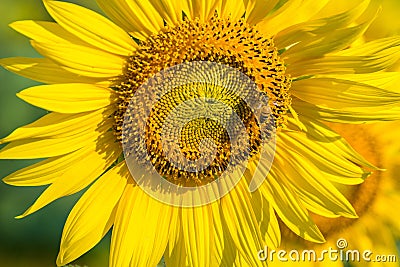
46, 71
91, 27
291, 13
139, 18
82, 60
93, 215
141, 238
91, 165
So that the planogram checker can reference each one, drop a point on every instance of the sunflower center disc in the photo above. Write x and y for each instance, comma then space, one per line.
197, 102
190, 130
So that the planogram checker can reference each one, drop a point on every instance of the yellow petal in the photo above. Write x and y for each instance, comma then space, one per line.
316, 192
292, 12
257, 10
240, 261
382, 46
320, 45
93, 215
141, 229
202, 9
198, 235
171, 11
337, 167
59, 125
384, 80
51, 147
82, 60
232, 9
68, 98
78, 176
287, 205
309, 30
340, 6
45, 31
139, 18
211, 235
47, 171
266, 218
355, 116
338, 146
91, 27
175, 254
240, 220
342, 94
223, 250
46, 71
371, 57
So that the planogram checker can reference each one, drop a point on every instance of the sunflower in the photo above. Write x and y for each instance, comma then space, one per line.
293, 55
377, 228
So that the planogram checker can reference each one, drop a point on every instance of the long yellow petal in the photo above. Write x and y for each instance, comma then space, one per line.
339, 146
47, 171
198, 235
223, 250
384, 80
78, 176
46, 71
240, 261
93, 215
175, 254
139, 18
293, 12
309, 30
171, 11
141, 238
68, 98
342, 94
46, 32
59, 125
257, 10
371, 57
232, 9
82, 60
340, 6
355, 116
202, 9
379, 46
318, 46
91, 27
266, 218
317, 146
287, 205
240, 220
316, 192
45, 147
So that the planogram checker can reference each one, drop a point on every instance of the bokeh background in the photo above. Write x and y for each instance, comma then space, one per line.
34, 241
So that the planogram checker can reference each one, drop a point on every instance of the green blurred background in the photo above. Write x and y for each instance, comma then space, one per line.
34, 241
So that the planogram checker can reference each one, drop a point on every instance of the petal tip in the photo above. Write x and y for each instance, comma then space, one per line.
60, 259
20, 95
20, 216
